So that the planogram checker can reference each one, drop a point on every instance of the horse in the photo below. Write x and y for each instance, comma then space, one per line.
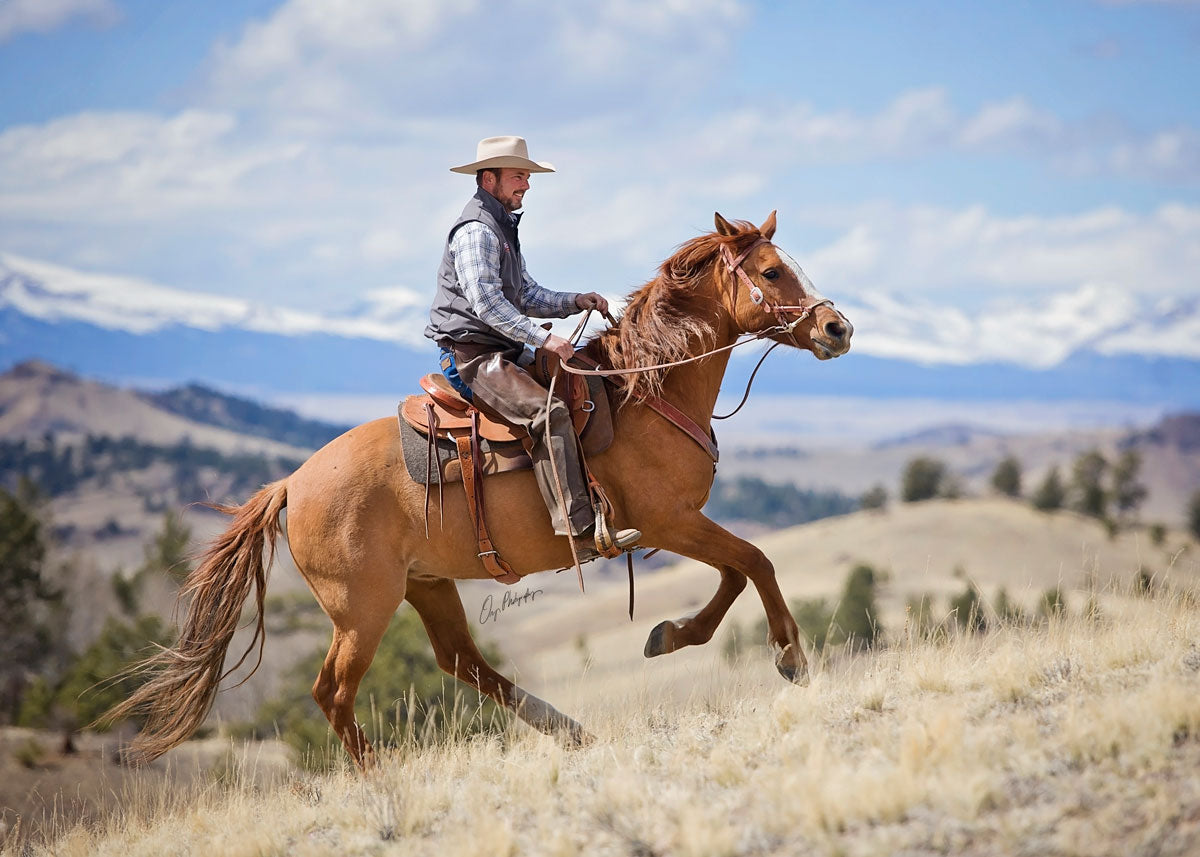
356, 523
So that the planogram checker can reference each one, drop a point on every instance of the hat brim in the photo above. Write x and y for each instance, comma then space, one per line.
499, 161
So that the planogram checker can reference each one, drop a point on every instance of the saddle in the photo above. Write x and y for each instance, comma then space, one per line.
464, 442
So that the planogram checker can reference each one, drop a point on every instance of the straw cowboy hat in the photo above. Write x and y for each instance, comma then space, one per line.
495, 152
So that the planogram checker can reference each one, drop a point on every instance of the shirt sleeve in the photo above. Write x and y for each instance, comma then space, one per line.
476, 252
544, 303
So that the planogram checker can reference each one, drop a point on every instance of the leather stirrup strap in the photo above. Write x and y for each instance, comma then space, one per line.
430, 455
469, 459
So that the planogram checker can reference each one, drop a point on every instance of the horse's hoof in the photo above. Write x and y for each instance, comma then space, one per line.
576, 737
793, 672
656, 643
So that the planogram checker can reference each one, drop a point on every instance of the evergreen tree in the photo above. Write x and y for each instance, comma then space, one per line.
1050, 495
856, 620
1006, 478
1087, 484
922, 480
1127, 492
28, 602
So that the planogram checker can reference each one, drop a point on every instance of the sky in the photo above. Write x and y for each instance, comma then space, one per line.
1007, 160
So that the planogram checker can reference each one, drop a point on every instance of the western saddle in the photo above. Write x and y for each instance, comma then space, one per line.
441, 414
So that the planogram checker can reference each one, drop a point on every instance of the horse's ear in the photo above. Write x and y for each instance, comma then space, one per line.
724, 227
768, 227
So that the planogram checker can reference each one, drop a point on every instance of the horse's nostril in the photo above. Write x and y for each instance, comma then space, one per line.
835, 329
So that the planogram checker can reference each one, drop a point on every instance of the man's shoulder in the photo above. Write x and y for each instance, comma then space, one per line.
474, 232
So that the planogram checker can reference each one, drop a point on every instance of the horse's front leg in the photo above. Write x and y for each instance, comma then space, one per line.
698, 627
737, 560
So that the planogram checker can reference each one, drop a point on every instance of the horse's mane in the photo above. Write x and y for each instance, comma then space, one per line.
672, 316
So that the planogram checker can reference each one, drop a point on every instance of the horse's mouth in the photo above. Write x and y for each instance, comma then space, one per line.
825, 352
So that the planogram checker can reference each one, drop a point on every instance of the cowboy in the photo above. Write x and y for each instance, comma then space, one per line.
481, 320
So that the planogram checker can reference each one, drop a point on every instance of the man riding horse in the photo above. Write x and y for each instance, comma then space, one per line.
480, 319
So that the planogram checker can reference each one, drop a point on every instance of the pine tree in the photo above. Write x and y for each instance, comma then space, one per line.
1087, 484
28, 602
1006, 478
1127, 492
1050, 495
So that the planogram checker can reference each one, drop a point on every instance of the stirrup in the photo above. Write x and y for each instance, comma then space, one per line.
608, 543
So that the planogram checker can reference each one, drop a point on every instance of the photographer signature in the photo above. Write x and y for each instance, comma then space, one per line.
490, 612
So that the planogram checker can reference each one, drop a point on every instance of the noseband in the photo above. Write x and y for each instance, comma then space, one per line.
781, 312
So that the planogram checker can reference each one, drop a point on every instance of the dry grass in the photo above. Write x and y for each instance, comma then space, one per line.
1080, 737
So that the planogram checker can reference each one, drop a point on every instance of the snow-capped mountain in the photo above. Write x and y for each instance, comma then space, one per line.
1094, 342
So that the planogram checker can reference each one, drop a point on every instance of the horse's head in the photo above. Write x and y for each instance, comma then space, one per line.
768, 289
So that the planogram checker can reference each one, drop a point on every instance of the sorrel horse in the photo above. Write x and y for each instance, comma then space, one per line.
356, 526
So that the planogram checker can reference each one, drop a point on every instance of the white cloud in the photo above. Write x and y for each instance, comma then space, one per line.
923, 250
44, 16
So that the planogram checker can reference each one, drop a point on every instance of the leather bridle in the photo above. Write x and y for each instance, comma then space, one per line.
781, 312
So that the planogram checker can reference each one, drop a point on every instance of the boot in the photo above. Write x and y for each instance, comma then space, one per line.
586, 542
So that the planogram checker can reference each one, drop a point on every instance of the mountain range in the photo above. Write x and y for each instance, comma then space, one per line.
1092, 344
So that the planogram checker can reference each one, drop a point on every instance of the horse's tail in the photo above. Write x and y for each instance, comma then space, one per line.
183, 679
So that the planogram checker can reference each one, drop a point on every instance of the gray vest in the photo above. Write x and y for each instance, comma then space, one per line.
451, 316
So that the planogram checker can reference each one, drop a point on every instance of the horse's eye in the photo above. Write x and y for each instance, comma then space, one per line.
771, 274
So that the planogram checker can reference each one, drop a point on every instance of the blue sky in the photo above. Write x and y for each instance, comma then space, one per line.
967, 157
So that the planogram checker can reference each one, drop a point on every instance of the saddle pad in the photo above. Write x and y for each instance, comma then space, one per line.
497, 457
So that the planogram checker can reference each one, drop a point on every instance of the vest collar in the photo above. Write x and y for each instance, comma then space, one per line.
493, 207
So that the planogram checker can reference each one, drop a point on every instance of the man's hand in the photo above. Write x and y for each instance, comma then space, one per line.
592, 300
558, 345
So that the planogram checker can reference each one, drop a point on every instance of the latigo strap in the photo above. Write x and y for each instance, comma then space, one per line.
469, 457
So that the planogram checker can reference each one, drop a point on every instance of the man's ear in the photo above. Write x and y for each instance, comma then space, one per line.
768, 227
724, 227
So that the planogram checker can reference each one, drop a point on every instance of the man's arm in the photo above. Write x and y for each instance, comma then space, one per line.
545, 303
476, 251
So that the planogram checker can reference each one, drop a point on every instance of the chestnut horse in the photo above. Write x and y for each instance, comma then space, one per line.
356, 527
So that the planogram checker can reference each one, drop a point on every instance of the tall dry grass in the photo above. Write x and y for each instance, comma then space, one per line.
1080, 736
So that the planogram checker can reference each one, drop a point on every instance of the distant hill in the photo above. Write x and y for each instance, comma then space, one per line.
205, 405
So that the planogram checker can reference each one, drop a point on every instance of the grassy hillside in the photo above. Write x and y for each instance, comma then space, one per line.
1079, 736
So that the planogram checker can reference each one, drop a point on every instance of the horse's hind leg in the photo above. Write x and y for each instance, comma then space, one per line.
697, 628
350, 654
438, 604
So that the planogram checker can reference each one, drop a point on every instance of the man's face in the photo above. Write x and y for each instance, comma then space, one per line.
509, 188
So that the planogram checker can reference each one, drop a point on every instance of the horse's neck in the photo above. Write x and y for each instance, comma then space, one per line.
693, 388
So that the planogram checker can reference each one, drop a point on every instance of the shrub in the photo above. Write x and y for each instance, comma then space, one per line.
1007, 609
1053, 603
922, 479
1193, 517
919, 616
875, 497
1087, 484
1127, 492
856, 620
968, 611
1006, 478
1050, 495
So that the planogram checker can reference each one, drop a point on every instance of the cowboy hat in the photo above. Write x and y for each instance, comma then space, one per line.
496, 152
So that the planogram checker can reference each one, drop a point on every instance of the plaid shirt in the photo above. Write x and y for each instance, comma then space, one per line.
475, 250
